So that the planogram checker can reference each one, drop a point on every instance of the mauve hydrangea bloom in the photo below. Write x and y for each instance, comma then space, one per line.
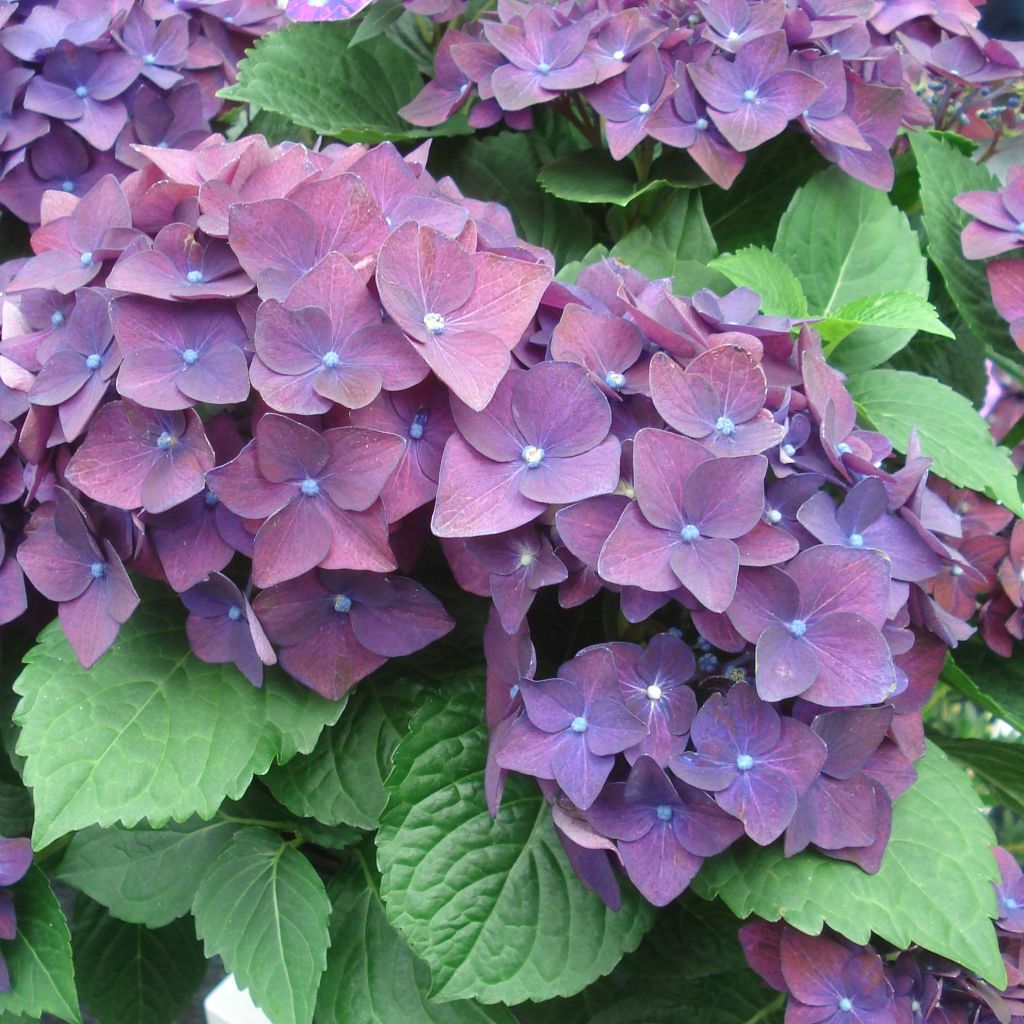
15, 860
998, 226
1006, 279
755, 763
80, 82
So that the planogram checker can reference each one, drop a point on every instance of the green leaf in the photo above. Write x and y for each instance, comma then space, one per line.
39, 957
950, 428
132, 975
150, 731
493, 906
319, 78
377, 19
263, 909
372, 975
759, 269
998, 766
749, 212
846, 241
342, 779
593, 176
945, 172
145, 876
504, 168
993, 683
894, 310
933, 888
679, 245
15, 801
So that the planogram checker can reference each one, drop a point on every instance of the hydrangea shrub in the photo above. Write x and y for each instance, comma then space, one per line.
452, 596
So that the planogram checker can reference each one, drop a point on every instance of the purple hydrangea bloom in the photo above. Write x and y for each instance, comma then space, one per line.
573, 727
690, 509
998, 226
317, 495
1006, 279
734, 23
67, 564
222, 627
755, 762
336, 627
664, 829
15, 860
542, 440
448, 90
817, 626
1010, 893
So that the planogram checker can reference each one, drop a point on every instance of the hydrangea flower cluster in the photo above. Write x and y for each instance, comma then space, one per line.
439, 11
15, 860
719, 78
85, 80
267, 376
830, 979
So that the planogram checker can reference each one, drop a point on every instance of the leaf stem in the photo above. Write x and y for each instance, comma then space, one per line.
765, 1011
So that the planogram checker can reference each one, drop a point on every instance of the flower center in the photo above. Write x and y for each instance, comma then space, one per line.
797, 628
194, 277
234, 613
845, 1005
749, 95
725, 426
956, 570
543, 67
654, 692
788, 450
419, 422
1020, 228
843, 448
527, 558
342, 603
733, 35
701, 124
85, 259
190, 357
619, 54
615, 380
708, 662
644, 108
532, 456
744, 762
774, 515
211, 499
81, 92
513, 691
149, 59
98, 570
579, 724
57, 318
664, 812
856, 540
309, 487
67, 185
689, 533
433, 322
93, 362
166, 440
330, 360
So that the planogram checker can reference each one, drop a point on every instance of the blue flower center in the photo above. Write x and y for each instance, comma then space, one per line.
211, 499
533, 456
797, 627
166, 440
845, 1005
1011, 904
93, 361
418, 425
342, 603
725, 426
309, 487
774, 515
543, 67
749, 95
956, 570
234, 613
689, 533
664, 812
81, 92
788, 450
744, 762
843, 448
513, 691
644, 108
579, 724
57, 318
701, 124
1020, 228
190, 357
615, 380
194, 277
433, 322
85, 259
330, 360
67, 185
97, 570
653, 692
708, 662
149, 59
856, 540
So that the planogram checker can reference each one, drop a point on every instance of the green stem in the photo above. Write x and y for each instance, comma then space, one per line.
768, 1010
643, 157
274, 826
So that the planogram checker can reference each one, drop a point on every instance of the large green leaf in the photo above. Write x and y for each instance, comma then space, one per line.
933, 888
132, 975
150, 731
893, 310
39, 957
145, 876
372, 975
997, 766
993, 683
493, 906
263, 909
342, 778
950, 429
945, 172
504, 168
846, 241
311, 74
760, 269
